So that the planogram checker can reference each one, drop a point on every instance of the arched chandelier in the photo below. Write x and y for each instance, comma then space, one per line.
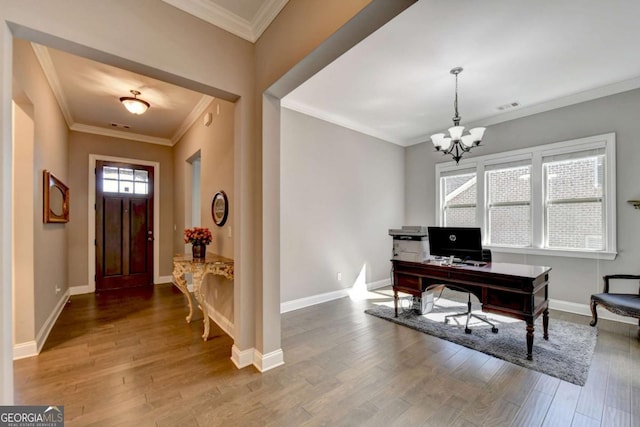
456, 144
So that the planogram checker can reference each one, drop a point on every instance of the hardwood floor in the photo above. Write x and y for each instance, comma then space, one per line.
129, 358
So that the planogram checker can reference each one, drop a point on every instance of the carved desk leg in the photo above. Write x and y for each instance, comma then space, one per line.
178, 277
395, 301
530, 330
545, 323
198, 276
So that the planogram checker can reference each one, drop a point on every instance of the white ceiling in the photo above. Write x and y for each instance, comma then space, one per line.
88, 92
396, 85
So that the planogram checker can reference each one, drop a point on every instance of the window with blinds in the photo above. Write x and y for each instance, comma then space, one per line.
508, 203
550, 199
459, 204
574, 210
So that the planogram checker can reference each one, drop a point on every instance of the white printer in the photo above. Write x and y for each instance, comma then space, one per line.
410, 243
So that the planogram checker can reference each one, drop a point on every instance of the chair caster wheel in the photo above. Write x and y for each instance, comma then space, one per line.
467, 330
494, 330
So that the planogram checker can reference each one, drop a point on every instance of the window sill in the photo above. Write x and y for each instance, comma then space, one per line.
603, 255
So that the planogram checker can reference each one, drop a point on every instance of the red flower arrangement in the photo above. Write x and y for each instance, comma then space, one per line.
197, 235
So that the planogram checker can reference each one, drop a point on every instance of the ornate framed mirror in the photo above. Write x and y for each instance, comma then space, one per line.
56, 199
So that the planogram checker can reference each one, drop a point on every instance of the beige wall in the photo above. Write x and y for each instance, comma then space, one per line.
81, 145
153, 38
299, 28
23, 214
215, 144
49, 151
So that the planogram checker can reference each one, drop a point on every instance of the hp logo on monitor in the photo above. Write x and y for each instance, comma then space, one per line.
452, 237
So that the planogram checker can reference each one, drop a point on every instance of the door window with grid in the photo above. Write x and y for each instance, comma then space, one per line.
124, 180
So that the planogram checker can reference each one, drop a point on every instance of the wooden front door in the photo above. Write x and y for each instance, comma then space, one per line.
124, 225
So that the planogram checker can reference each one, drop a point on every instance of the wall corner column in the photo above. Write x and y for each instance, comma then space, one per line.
6, 183
270, 354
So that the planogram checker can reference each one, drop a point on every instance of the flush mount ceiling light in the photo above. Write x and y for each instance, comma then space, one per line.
134, 105
456, 143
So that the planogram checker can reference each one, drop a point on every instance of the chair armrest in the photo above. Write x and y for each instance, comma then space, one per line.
618, 276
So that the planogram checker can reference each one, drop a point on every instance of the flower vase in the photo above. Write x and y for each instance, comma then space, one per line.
199, 250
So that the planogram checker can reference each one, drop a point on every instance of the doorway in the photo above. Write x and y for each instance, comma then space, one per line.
124, 225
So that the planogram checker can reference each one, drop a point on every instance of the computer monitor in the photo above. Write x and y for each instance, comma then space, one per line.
461, 242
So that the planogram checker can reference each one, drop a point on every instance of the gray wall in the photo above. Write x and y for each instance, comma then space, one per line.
341, 191
573, 280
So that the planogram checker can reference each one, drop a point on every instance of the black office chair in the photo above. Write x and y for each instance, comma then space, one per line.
486, 257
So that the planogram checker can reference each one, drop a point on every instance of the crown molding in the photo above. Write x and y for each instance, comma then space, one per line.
120, 134
42, 53
200, 107
265, 16
214, 14
553, 104
44, 58
340, 121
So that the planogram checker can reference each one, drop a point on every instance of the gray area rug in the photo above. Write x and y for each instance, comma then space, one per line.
566, 355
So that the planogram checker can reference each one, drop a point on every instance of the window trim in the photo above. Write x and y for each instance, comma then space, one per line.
536, 154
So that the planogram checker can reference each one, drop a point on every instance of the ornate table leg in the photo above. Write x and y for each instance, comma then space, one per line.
198, 276
545, 323
178, 277
530, 330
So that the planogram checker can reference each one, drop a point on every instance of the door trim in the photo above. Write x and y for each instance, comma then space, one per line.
91, 197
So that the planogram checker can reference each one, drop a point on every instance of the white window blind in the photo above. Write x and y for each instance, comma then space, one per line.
550, 199
459, 198
508, 203
575, 214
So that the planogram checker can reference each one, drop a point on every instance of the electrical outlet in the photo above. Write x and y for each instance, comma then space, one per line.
339, 276
58, 290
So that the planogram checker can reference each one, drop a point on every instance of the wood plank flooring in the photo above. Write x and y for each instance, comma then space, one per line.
130, 359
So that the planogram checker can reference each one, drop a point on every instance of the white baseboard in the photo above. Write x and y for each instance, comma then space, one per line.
242, 358
25, 349
379, 284
163, 279
585, 310
297, 304
32, 348
225, 324
251, 356
80, 290
265, 362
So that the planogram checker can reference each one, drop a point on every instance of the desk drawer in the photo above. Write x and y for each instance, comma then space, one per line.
406, 281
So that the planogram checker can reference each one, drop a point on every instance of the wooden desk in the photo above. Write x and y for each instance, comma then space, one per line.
212, 264
514, 290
